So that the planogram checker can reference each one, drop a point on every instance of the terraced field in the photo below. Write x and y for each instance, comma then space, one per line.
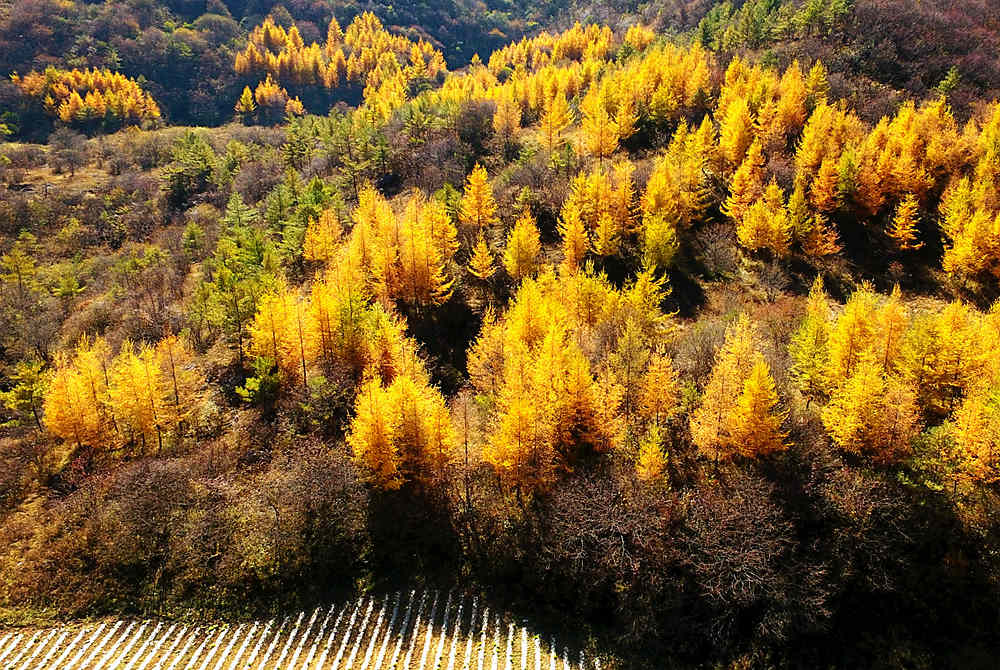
418, 630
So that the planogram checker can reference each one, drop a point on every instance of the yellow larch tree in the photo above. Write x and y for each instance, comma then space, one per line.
556, 118
809, 346
481, 263
564, 384
890, 323
820, 239
521, 253
651, 465
817, 85
747, 184
873, 413
507, 119
851, 335
245, 106
70, 412
180, 381
677, 188
626, 115
135, 395
323, 237
606, 238
598, 128
977, 434
478, 208
736, 131
623, 206
519, 447
372, 438
423, 434
765, 224
800, 217
422, 275
284, 332
712, 422
575, 241
437, 222
756, 423
824, 192
941, 356
660, 241
904, 228
659, 392
339, 312
791, 113
812, 232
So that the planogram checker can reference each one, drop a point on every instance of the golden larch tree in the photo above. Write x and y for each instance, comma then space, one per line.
824, 193
69, 408
736, 131
598, 128
507, 119
135, 395
372, 435
651, 465
904, 228
851, 335
481, 263
756, 423
809, 347
607, 235
575, 240
747, 185
659, 392
521, 254
323, 237
765, 224
712, 421
181, 382
873, 413
977, 435
245, 106
944, 355
554, 122
890, 323
478, 208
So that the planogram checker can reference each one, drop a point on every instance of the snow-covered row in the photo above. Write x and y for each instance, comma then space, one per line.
390, 628
409, 630
65, 650
234, 659
373, 638
317, 640
415, 632
115, 646
274, 641
150, 639
174, 660
430, 631
260, 643
349, 665
302, 640
443, 632
403, 627
331, 639
14, 660
34, 653
116, 660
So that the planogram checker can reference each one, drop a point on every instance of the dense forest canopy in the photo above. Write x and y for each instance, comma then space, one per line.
676, 326
883, 48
